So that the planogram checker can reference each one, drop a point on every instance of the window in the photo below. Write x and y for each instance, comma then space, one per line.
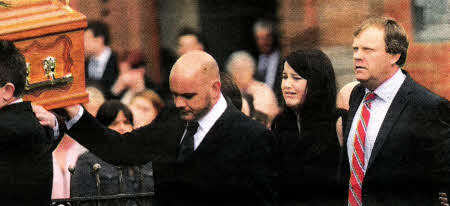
431, 20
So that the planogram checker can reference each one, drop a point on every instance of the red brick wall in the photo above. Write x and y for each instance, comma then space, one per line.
338, 18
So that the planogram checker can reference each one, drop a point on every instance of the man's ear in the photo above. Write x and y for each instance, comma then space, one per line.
216, 88
9, 92
394, 58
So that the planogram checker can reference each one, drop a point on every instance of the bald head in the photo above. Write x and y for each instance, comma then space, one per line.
343, 96
195, 84
241, 66
196, 64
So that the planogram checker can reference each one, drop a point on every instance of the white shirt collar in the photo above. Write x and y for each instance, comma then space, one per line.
16, 101
207, 121
389, 88
104, 56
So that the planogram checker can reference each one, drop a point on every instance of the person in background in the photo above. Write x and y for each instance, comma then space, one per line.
269, 54
96, 99
246, 109
145, 105
167, 59
136, 179
25, 146
132, 78
308, 149
65, 156
343, 96
101, 62
342, 106
231, 90
241, 66
189, 40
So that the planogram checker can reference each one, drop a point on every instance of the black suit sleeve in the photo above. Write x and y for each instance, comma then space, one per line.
154, 142
433, 135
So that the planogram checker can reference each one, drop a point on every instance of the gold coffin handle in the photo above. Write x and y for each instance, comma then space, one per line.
49, 66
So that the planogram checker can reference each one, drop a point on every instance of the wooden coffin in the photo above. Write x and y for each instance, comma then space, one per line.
50, 35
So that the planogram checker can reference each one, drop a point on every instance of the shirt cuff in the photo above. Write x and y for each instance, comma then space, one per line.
56, 130
74, 120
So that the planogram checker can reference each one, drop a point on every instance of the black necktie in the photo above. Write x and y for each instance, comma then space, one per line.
187, 145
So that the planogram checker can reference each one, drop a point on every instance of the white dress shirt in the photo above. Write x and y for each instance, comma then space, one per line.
207, 121
97, 69
18, 100
269, 62
385, 93
74, 120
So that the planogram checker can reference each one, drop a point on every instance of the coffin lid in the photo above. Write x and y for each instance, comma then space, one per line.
25, 19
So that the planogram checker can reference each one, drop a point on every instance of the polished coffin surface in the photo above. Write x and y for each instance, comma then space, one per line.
50, 35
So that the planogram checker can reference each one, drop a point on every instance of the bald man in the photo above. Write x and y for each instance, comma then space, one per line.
208, 154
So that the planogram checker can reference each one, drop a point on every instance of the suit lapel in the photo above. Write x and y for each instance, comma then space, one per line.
356, 98
394, 111
216, 134
182, 133
108, 65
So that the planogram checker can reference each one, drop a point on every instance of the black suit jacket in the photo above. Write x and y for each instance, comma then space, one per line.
409, 163
109, 76
232, 165
308, 161
26, 167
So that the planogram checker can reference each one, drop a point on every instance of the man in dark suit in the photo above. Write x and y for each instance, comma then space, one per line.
101, 62
226, 159
25, 146
190, 40
269, 57
269, 54
396, 144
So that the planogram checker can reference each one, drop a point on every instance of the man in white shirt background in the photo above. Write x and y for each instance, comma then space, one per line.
101, 62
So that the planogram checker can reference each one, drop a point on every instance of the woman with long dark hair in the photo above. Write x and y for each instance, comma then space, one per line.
308, 148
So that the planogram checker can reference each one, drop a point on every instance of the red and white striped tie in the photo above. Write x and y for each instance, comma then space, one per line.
357, 165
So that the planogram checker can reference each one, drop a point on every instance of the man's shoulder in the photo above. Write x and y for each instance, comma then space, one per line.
423, 96
427, 104
170, 117
19, 120
18, 112
237, 122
